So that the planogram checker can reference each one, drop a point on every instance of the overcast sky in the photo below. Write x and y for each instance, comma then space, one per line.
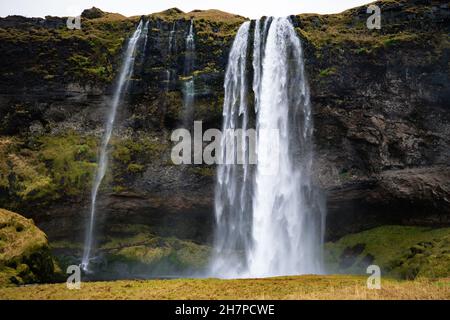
247, 8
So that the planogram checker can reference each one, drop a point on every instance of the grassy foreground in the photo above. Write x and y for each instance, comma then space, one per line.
298, 287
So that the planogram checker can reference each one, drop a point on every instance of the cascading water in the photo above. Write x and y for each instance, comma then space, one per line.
144, 35
232, 202
189, 88
171, 50
269, 217
286, 228
190, 50
171, 38
125, 73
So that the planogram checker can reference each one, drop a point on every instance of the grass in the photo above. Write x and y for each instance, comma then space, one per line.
348, 30
294, 287
213, 16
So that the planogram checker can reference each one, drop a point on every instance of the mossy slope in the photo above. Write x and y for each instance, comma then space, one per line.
401, 251
24, 252
133, 251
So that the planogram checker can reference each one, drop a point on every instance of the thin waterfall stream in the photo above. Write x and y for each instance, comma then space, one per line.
189, 88
125, 73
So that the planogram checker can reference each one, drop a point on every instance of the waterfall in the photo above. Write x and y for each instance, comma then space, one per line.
171, 37
269, 216
284, 227
232, 218
126, 72
144, 44
190, 50
168, 79
189, 87
171, 50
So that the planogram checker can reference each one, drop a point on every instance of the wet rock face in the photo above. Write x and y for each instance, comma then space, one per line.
380, 101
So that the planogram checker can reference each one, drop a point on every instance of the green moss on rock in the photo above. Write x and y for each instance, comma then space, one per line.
86, 55
429, 259
24, 252
143, 247
49, 168
400, 251
133, 250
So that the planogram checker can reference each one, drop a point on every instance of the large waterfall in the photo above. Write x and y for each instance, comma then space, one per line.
269, 217
126, 72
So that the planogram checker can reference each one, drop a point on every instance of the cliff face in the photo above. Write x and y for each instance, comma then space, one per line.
380, 100
381, 114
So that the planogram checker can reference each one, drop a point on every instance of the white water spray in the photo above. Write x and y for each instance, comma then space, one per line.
125, 73
269, 218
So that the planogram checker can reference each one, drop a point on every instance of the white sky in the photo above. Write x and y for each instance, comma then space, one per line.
247, 8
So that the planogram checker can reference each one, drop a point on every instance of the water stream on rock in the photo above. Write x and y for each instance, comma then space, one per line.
270, 218
189, 88
172, 38
126, 72
172, 50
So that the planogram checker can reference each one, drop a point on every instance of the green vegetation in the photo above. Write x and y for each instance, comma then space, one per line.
348, 30
130, 156
205, 171
54, 167
49, 168
134, 249
208, 23
87, 55
70, 161
300, 287
147, 253
400, 251
137, 150
327, 72
24, 253
144, 247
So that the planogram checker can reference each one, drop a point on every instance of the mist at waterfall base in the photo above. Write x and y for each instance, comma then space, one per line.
269, 223
126, 71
